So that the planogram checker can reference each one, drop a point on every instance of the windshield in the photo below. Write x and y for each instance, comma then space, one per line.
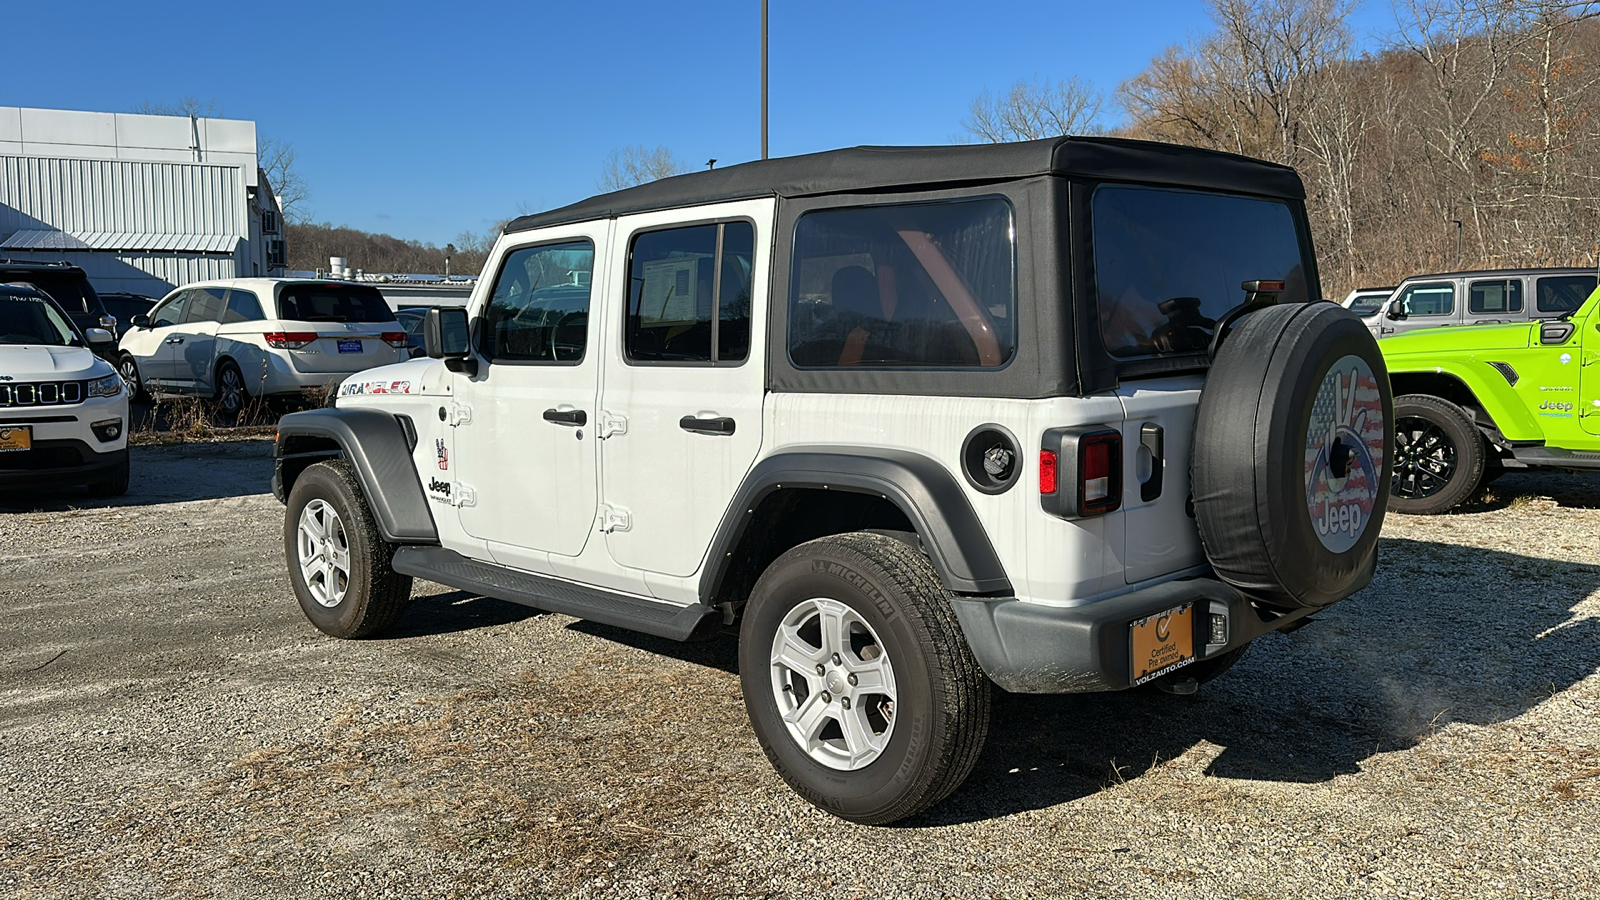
333, 303
1169, 262
69, 289
1367, 304
30, 320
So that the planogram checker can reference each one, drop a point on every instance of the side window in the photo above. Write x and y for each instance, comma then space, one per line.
926, 285
206, 305
1488, 298
1563, 293
539, 309
243, 306
1435, 299
170, 312
689, 294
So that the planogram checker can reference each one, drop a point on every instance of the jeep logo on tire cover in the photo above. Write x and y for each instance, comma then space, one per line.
1344, 453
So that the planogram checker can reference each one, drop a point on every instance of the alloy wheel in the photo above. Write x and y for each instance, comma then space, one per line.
834, 684
1425, 458
324, 553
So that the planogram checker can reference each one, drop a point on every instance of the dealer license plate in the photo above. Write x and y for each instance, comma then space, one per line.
16, 437
1162, 642
349, 346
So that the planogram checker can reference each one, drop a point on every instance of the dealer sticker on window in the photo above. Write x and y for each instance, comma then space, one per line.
1162, 642
349, 346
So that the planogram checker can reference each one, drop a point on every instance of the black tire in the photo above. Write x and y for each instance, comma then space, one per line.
373, 594
115, 486
1440, 456
1292, 448
128, 368
1493, 468
231, 394
940, 708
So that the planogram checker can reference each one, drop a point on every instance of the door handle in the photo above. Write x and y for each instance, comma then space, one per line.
566, 416
718, 425
1152, 438
175, 340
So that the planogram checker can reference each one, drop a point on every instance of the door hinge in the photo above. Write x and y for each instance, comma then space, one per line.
460, 413
465, 495
612, 424
614, 518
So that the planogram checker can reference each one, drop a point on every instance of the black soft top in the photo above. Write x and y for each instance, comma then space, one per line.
858, 170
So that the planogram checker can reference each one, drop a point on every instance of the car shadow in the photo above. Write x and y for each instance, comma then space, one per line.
452, 611
1566, 489
719, 652
1445, 634
174, 473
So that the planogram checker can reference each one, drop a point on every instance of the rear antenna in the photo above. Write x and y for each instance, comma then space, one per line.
1257, 295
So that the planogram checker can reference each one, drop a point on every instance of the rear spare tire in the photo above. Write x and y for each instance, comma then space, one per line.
1293, 445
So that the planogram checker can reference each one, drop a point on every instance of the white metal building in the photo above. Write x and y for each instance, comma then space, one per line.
143, 203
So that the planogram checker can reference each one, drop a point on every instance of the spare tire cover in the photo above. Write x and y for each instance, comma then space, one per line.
1293, 445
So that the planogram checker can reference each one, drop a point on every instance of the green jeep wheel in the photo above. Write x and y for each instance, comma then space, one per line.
1439, 456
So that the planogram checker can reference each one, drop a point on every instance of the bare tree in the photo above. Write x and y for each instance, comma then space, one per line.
635, 165
276, 161
1030, 110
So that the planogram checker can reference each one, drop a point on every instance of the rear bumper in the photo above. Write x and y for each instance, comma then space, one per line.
1031, 648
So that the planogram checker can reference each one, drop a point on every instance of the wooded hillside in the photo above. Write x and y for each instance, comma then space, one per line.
310, 245
1471, 128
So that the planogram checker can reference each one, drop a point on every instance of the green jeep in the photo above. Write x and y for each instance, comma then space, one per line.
1473, 401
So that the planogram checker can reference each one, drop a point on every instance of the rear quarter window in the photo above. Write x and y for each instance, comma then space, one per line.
1169, 262
913, 286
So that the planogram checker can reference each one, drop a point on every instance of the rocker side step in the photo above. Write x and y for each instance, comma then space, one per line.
1558, 457
680, 623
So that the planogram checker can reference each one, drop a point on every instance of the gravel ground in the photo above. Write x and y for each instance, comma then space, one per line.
171, 726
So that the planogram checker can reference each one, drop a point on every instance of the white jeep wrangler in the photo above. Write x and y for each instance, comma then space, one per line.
1055, 415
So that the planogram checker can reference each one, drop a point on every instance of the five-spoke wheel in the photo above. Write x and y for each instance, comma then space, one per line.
833, 683
339, 564
858, 682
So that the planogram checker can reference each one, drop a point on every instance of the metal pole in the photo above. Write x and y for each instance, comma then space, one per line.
763, 79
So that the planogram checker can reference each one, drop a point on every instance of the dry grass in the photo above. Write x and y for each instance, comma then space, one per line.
573, 777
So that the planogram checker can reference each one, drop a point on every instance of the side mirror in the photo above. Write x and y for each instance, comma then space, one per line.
140, 321
1397, 310
98, 336
445, 336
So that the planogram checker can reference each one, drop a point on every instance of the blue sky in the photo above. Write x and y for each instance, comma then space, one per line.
424, 120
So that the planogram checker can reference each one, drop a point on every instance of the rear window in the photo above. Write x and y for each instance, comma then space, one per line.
1169, 262
333, 303
1563, 293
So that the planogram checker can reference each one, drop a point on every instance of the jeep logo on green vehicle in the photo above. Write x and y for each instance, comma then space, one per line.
1556, 405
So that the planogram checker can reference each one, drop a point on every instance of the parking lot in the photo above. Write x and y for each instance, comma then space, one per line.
171, 726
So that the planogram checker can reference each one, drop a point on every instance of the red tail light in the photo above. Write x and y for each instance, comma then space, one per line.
1089, 458
394, 338
1048, 471
289, 340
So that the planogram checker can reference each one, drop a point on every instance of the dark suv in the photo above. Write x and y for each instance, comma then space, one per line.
66, 284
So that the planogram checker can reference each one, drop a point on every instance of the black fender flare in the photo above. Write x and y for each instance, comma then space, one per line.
378, 449
924, 490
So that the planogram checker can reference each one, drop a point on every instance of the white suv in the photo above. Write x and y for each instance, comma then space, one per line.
1056, 416
252, 337
63, 410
